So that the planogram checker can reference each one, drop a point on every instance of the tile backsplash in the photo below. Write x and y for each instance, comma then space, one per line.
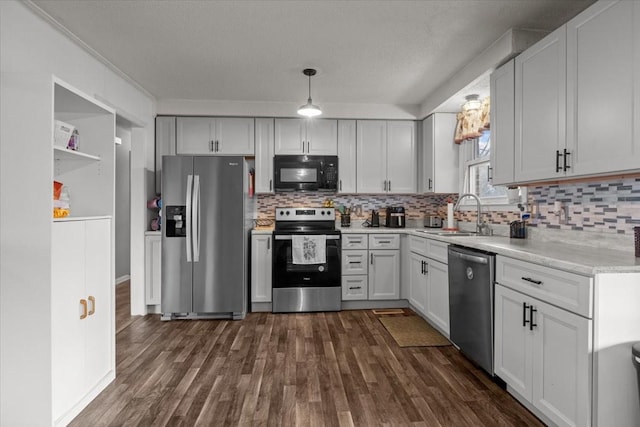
611, 206
600, 206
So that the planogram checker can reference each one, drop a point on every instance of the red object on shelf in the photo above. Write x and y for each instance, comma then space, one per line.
252, 182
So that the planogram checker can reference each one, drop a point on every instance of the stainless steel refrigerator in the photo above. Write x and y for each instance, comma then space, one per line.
204, 237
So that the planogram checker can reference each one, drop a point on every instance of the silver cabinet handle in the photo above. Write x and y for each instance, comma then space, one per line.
529, 279
270, 184
211, 146
268, 243
389, 185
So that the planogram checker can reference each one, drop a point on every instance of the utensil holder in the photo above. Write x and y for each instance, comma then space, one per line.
636, 232
518, 230
345, 220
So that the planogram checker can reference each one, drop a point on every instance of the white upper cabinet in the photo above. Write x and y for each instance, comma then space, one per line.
386, 157
264, 155
439, 155
306, 136
540, 108
347, 156
215, 135
603, 69
502, 124
165, 145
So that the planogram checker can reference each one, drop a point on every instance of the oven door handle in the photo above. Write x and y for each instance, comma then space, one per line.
289, 237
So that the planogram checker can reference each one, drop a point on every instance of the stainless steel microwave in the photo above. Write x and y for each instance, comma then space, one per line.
305, 173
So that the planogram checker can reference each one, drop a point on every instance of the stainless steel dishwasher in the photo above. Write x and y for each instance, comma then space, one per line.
471, 277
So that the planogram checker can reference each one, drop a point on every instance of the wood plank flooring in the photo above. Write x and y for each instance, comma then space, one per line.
312, 369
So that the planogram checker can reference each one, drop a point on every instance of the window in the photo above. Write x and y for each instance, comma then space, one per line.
474, 170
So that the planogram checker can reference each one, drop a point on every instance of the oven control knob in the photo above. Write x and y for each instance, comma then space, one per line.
281, 213
321, 212
288, 212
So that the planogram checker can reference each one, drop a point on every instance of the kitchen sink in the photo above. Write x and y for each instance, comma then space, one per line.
448, 232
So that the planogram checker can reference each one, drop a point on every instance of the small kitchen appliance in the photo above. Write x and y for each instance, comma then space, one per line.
432, 221
396, 217
375, 219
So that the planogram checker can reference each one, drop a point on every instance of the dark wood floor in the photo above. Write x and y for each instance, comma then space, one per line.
295, 369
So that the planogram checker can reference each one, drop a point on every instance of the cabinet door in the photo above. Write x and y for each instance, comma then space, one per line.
67, 329
235, 136
264, 155
165, 145
100, 294
513, 342
540, 101
437, 298
371, 154
354, 262
354, 288
153, 268
347, 156
384, 274
401, 157
195, 135
439, 155
502, 124
601, 64
261, 268
322, 137
290, 136
561, 365
418, 282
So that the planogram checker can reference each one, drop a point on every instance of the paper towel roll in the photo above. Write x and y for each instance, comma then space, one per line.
449, 215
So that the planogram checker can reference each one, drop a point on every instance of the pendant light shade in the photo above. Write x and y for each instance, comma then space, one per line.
308, 109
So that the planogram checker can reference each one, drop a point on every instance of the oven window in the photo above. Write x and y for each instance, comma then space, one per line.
298, 175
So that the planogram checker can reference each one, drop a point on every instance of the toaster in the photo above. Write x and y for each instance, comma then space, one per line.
432, 221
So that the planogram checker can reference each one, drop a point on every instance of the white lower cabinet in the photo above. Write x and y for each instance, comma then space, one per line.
384, 274
152, 267
418, 279
261, 262
429, 281
82, 315
437, 295
355, 287
543, 353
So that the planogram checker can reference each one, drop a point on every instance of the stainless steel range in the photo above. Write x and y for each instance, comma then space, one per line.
306, 261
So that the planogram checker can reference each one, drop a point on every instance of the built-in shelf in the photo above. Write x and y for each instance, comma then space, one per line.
61, 153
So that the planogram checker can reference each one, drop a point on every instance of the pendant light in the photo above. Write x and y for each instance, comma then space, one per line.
308, 109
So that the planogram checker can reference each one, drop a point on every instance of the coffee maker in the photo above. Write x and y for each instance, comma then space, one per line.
396, 217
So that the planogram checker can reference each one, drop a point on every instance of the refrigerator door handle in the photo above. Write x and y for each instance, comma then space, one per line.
196, 218
188, 219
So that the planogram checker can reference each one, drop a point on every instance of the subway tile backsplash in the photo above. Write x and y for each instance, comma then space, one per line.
605, 207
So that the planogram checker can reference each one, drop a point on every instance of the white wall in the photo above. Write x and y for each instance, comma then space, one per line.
123, 204
31, 52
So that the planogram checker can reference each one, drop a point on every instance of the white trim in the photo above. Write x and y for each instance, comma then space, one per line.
58, 26
123, 279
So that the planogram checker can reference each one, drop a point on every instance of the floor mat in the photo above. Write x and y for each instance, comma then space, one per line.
413, 331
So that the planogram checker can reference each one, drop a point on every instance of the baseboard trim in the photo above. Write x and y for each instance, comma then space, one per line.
122, 279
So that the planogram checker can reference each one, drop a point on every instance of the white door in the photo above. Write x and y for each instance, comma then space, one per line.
561, 365
401, 157
322, 137
502, 124
264, 155
290, 136
195, 135
513, 340
540, 100
418, 282
261, 262
371, 154
100, 295
601, 65
437, 308
235, 136
67, 329
347, 156
384, 274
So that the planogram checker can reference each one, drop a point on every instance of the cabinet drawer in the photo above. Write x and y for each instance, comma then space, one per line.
384, 241
354, 262
566, 290
354, 241
355, 288
418, 245
437, 250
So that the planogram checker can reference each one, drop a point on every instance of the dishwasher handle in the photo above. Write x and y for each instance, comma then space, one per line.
470, 258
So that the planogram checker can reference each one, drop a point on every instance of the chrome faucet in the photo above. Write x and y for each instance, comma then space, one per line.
482, 228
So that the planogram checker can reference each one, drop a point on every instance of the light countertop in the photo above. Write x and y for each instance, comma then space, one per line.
575, 258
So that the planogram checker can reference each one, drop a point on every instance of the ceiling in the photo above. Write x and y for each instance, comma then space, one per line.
366, 52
